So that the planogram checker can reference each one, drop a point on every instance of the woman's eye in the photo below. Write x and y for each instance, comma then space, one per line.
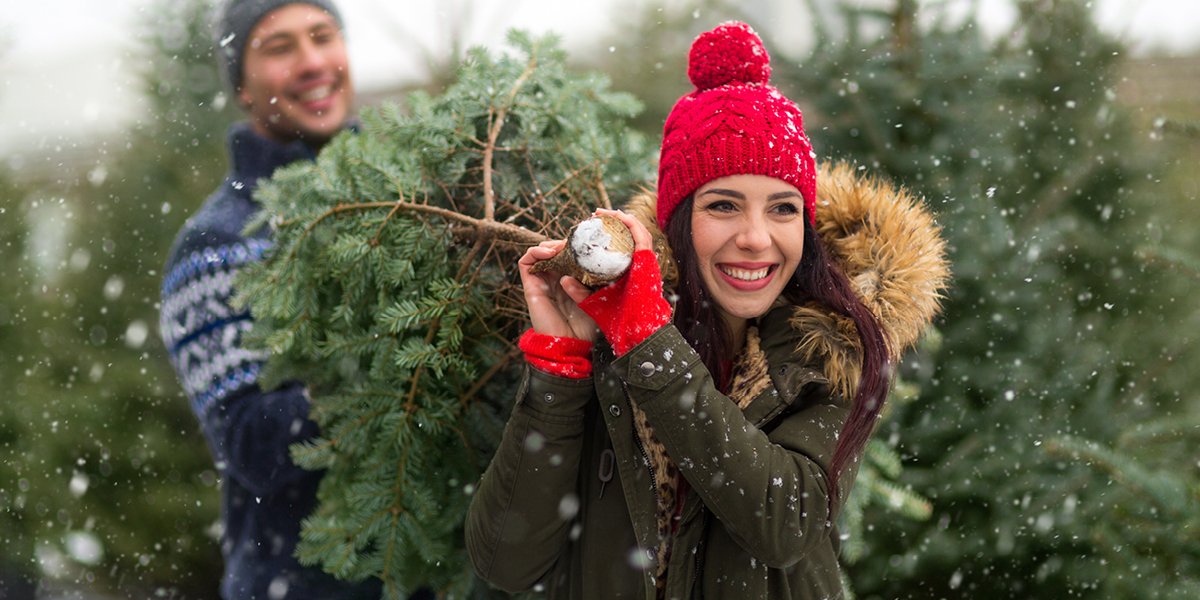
720, 206
787, 208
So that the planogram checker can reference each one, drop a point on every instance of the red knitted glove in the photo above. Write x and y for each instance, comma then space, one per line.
633, 307
562, 356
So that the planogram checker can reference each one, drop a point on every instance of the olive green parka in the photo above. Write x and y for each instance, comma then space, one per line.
572, 501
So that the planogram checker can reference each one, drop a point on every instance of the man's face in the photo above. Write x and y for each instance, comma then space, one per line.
296, 77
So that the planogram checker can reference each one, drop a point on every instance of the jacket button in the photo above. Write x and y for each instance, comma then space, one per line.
647, 369
614, 410
548, 398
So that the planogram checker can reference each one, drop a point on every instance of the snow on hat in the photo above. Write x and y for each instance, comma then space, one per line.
237, 19
734, 123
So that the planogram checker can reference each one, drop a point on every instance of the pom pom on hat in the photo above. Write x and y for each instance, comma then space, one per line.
731, 53
734, 123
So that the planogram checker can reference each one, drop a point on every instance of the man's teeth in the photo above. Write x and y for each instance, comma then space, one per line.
746, 275
319, 93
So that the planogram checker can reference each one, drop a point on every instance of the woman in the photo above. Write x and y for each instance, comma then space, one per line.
703, 450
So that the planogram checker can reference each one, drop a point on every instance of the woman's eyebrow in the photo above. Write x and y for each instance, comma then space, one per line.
724, 192
782, 195
741, 196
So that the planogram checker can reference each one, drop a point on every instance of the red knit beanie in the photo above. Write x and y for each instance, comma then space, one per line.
735, 123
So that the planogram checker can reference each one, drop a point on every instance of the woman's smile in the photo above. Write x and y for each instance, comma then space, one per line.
747, 276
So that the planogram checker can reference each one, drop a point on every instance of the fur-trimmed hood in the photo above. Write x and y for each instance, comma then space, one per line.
885, 241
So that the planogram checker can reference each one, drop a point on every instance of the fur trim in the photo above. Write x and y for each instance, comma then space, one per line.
889, 246
644, 206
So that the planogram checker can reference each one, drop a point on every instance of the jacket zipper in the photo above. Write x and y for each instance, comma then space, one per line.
637, 440
646, 461
698, 561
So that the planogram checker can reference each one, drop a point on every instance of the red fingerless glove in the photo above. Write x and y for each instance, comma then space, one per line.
562, 356
633, 307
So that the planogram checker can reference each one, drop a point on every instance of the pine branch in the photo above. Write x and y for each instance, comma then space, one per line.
496, 368
466, 266
398, 204
396, 511
603, 191
903, 500
572, 175
1171, 428
1172, 258
482, 228
1167, 490
497, 123
1190, 129
1057, 192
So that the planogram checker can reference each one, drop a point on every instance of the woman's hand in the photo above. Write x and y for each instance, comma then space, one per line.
632, 308
642, 240
553, 300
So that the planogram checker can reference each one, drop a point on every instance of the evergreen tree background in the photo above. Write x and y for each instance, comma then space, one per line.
1057, 329
105, 481
15, 307
1052, 429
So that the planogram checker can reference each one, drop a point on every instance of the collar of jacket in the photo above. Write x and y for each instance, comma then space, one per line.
254, 157
889, 246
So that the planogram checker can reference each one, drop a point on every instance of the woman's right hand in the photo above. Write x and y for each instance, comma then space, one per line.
553, 300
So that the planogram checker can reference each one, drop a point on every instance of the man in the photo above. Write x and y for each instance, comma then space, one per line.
286, 64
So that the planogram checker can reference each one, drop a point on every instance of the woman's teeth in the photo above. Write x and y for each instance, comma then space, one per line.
744, 274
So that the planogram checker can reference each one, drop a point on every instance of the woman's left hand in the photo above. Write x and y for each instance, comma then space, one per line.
633, 307
552, 299
642, 240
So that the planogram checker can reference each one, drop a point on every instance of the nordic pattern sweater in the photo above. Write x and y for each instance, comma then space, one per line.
264, 495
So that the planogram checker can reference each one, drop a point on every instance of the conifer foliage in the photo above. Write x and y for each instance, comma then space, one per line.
391, 292
1037, 436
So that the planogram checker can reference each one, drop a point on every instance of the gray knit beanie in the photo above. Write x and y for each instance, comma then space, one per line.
235, 20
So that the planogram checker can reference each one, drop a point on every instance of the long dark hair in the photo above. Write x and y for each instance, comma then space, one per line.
817, 279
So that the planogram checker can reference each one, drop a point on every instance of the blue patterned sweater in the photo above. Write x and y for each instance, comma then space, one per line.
264, 495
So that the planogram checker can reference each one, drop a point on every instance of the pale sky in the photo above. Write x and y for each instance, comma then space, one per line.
68, 68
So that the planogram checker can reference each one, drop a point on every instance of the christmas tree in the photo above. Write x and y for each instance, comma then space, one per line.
105, 481
390, 292
1060, 332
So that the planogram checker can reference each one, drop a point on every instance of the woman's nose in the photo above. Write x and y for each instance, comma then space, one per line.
754, 239
753, 235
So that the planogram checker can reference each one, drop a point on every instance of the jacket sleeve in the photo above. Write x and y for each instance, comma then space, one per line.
519, 519
770, 491
248, 429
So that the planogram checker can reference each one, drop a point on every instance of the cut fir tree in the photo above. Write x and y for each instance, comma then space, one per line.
597, 252
391, 292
